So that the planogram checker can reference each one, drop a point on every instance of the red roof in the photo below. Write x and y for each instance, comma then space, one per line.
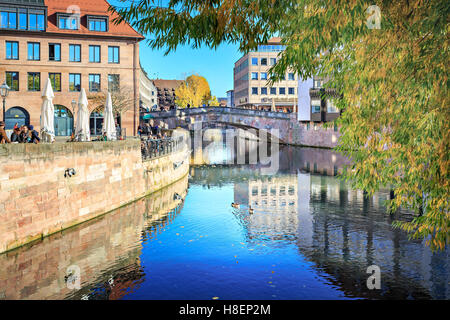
87, 7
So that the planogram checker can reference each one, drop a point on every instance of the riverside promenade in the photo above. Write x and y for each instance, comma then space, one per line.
46, 188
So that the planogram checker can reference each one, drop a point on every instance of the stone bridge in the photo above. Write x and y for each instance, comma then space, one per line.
283, 126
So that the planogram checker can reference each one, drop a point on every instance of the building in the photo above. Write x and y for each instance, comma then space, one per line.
75, 44
315, 103
148, 93
251, 75
166, 92
222, 102
230, 98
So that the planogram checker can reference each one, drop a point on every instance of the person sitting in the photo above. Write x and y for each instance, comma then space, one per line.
3, 136
34, 135
15, 136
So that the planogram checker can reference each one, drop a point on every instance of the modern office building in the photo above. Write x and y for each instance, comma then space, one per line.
315, 103
148, 93
230, 98
251, 75
76, 45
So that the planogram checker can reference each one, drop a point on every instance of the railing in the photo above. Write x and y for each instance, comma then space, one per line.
154, 148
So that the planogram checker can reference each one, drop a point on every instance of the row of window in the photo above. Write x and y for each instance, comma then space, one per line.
54, 52
35, 20
264, 76
34, 81
22, 19
316, 106
263, 61
273, 91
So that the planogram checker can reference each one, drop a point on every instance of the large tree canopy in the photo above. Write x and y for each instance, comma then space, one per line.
393, 81
193, 91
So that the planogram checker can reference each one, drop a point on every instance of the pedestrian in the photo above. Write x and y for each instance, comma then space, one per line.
34, 135
15, 136
3, 136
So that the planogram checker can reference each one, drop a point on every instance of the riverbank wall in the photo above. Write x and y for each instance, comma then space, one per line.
38, 197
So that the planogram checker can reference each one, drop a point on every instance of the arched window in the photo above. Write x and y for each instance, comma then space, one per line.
96, 121
16, 115
63, 121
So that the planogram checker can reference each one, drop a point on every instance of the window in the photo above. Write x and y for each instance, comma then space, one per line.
94, 54
254, 61
12, 50
282, 90
331, 107
54, 52
263, 75
254, 90
273, 90
34, 81
318, 84
36, 20
264, 61
315, 106
68, 22
12, 80
264, 90
55, 79
98, 24
74, 82
113, 82
273, 61
8, 20
291, 76
307, 128
291, 90
34, 51
75, 53
23, 17
94, 82
254, 75
113, 55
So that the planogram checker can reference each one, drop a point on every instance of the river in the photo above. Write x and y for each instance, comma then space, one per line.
309, 236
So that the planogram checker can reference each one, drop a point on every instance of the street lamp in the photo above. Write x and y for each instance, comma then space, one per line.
4, 90
74, 105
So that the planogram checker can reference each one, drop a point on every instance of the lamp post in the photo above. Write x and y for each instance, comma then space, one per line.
74, 105
4, 90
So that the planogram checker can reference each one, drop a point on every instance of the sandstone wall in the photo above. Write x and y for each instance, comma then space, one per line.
36, 199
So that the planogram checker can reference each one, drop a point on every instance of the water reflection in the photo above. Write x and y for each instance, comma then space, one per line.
107, 250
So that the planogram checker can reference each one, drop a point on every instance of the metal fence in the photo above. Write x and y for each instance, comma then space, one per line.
153, 148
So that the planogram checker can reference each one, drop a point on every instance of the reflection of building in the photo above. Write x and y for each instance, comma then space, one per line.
76, 49
107, 251
251, 75
147, 92
166, 92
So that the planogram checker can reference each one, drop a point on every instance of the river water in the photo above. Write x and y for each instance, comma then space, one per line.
309, 237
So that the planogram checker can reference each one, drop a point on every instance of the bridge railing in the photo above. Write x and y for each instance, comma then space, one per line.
154, 148
222, 110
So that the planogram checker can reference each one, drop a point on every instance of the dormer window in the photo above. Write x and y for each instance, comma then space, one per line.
68, 21
97, 23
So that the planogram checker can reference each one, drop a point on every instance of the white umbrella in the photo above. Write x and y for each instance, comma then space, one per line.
82, 132
109, 127
47, 114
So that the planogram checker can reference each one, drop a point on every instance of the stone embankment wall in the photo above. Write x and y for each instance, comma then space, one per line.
37, 199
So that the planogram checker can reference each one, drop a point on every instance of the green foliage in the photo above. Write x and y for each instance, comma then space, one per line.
393, 82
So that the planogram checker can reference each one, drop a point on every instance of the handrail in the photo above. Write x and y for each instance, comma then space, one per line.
154, 148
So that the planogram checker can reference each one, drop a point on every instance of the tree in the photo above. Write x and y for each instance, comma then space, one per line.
193, 91
213, 102
122, 100
389, 63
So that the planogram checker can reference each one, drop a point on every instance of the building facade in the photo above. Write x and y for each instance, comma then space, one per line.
230, 98
251, 76
75, 44
148, 93
166, 92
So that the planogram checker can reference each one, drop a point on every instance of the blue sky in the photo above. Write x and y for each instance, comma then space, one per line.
215, 65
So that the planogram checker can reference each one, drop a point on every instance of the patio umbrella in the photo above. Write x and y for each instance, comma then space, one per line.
47, 114
109, 127
82, 132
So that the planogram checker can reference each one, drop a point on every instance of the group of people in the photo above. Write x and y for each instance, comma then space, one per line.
22, 134
146, 129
